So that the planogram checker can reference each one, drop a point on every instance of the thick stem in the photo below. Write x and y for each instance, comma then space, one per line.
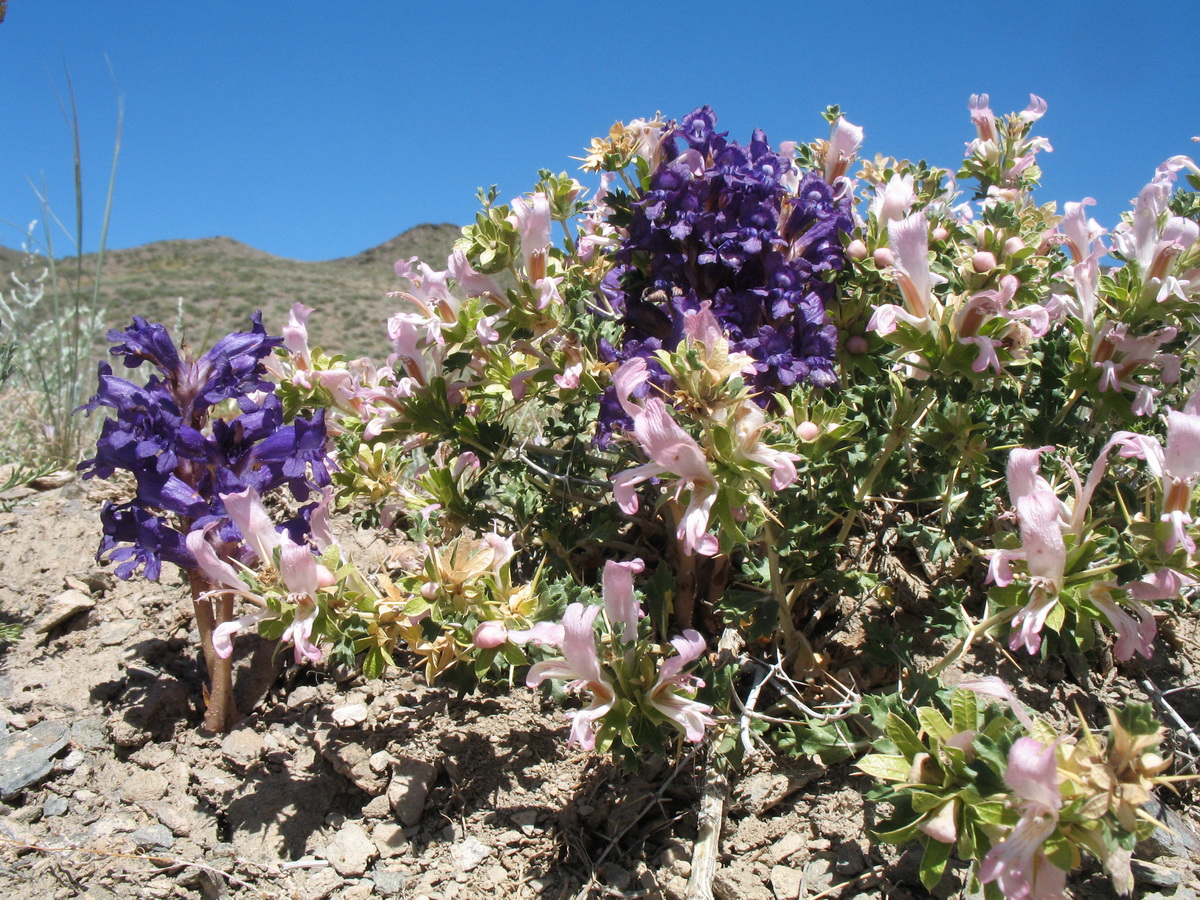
220, 713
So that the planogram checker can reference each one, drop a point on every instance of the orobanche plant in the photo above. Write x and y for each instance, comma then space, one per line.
648, 443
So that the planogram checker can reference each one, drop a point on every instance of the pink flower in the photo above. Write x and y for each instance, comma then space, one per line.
580, 668
532, 220
490, 634
1134, 635
299, 570
1040, 516
1018, 864
909, 239
619, 603
844, 141
750, 426
672, 451
689, 716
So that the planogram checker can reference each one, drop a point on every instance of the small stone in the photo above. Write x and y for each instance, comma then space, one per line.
389, 839
174, 817
850, 860
788, 845
1180, 841
26, 757
72, 761
349, 716
89, 733
113, 633
785, 882
242, 746
409, 788
156, 837
388, 882
469, 853
143, 787
351, 851
318, 884
377, 808
614, 875
65, 606
1154, 874
54, 805
526, 820
380, 762
354, 761
818, 875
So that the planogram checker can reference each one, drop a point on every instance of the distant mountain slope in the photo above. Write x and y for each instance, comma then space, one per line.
218, 282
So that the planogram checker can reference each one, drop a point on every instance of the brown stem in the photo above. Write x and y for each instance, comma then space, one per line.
220, 714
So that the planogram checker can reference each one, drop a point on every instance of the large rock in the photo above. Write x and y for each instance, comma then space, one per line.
26, 757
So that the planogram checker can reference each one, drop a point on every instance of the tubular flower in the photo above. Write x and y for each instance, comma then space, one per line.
1177, 466
668, 696
1040, 518
579, 666
672, 451
909, 239
298, 570
1018, 864
620, 605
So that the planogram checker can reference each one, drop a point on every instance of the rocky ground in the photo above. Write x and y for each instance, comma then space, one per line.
337, 787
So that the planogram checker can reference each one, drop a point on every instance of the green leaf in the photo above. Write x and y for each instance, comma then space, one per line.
885, 767
1138, 719
933, 863
903, 736
934, 723
964, 710
923, 801
1056, 617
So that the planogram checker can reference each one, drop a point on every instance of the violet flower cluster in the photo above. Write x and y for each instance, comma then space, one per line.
738, 227
184, 457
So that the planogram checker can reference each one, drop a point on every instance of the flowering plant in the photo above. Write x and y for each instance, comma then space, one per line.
204, 438
733, 386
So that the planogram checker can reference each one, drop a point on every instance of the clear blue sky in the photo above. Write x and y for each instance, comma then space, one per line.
316, 130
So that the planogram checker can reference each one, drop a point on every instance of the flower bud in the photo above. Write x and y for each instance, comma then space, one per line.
983, 261
856, 250
325, 578
1013, 245
429, 591
808, 431
939, 233
857, 344
490, 635
883, 257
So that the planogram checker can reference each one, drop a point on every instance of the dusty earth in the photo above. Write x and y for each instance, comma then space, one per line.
338, 787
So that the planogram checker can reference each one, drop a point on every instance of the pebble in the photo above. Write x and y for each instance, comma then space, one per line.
788, 845
54, 805
785, 882
155, 837
388, 882
349, 716
242, 746
526, 820
143, 787
72, 761
1179, 841
469, 853
65, 606
351, 851
389, 839
850, 860
113, 633
409, 788
26, 757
